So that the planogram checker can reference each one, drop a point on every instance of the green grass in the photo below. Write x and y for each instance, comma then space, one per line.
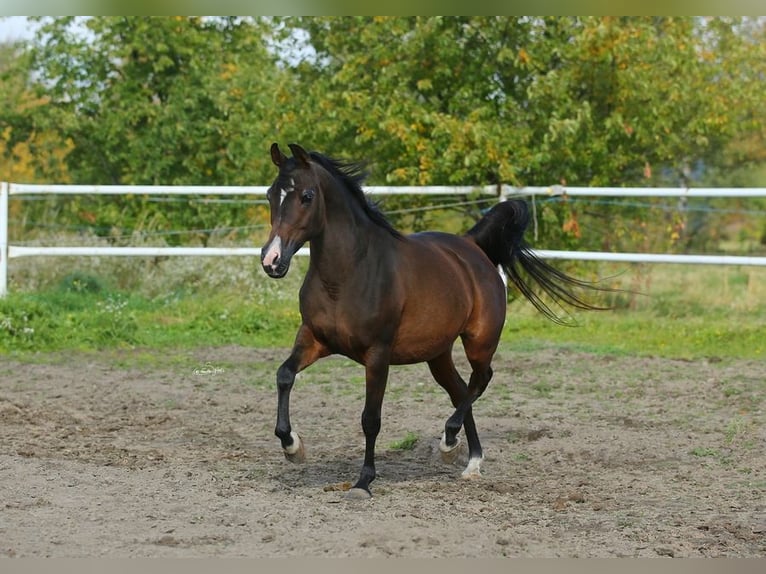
703, 451
645, 333
688, 312
683, 312
54, 321
406, 443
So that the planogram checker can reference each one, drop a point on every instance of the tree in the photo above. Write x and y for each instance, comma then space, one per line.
426, 100
26, 156
156, 100
528, 101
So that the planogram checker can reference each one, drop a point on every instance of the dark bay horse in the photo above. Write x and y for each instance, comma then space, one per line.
383, 298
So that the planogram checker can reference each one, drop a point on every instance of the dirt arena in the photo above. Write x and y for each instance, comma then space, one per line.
131, 453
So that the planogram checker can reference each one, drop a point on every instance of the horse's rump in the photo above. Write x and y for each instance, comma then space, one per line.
448, 283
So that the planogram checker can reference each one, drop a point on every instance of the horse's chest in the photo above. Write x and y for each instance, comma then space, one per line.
346, 327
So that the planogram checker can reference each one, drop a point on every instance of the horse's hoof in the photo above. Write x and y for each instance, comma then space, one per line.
358, 494
473, 470
450, 454
295, 452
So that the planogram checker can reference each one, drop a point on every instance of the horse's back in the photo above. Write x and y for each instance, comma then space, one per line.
455, 257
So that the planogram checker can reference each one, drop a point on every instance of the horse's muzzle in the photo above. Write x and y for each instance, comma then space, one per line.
275, 259
278, 271
276, 268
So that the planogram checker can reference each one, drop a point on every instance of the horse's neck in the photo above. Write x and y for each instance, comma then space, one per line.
348, 241
343, 246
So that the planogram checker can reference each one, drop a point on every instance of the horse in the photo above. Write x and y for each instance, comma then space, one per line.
383, 298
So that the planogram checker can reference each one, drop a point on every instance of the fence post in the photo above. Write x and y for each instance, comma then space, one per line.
3, 238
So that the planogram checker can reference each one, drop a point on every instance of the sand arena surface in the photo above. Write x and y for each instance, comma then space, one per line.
131, 453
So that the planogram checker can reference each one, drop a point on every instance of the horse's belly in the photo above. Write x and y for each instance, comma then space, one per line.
408, 355
426, 339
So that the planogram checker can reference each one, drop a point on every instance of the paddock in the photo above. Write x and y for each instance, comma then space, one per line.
132, 453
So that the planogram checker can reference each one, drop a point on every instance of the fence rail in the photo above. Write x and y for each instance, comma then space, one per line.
8, 251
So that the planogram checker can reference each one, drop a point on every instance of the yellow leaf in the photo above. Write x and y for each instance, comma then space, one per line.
424, 84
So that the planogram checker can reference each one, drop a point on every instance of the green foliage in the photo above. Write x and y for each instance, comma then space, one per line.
427, 100
79, 282
407, 443
155, 100
537, 101
26, 155
518, 100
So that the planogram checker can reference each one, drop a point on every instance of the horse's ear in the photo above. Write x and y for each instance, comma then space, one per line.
300, 154
277, 156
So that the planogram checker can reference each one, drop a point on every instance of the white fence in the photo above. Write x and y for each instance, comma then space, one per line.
8, 251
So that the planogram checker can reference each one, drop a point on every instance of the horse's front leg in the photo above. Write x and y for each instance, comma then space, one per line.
306, 351
377, 365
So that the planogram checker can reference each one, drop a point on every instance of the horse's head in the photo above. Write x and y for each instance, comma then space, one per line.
297, 212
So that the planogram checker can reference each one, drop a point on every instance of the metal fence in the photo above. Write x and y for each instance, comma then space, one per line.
8, 251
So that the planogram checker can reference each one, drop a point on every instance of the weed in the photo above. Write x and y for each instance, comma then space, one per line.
703, 451
730, 391
736, 427
406, 443
543, 389
79, 282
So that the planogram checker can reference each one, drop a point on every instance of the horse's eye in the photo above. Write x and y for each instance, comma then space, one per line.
307, 196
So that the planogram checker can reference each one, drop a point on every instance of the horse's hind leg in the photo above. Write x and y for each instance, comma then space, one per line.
480, 357
444, 372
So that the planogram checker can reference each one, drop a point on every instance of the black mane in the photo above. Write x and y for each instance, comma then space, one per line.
352, 174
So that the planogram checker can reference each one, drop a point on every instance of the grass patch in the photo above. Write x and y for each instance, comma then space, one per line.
406, 443
543, 389
55, 321
689, 312
645, 333
703, 451
683, 311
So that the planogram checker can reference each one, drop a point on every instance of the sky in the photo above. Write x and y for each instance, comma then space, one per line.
14, 28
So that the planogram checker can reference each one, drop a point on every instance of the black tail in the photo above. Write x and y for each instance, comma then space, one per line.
500, 233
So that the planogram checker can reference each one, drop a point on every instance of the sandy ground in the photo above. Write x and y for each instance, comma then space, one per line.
128, 454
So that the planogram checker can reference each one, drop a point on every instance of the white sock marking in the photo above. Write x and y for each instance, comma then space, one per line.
473, 468
293, 448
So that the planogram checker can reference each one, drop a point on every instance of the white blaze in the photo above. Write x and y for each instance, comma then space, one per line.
283, 192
